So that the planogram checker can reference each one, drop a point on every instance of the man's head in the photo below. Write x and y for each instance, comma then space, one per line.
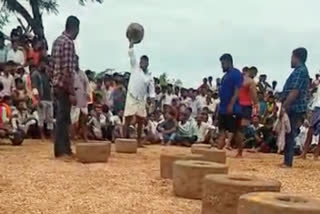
253, 71
169, 89
245, 70
144, 63
274, 84
317, 76
19, 84
184, 92
262, 77
157, 89
73, 27
10, 67
226, 62
177, 90
15, 44
299, 56
205, 81
210, 79
218, 81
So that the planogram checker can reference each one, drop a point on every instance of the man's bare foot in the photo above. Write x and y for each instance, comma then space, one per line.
140, 144
66, 158
228, 148
284, 166
238, 155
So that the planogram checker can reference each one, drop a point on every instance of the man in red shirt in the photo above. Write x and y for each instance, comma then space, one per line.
63, 64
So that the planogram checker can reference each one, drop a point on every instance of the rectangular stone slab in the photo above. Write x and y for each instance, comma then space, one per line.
93, 152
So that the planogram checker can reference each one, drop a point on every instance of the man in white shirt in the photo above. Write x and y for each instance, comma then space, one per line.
194, 104
140, 87
169, 96
15, 54
7, 79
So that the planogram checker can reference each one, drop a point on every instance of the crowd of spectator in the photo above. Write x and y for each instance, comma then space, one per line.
176, 116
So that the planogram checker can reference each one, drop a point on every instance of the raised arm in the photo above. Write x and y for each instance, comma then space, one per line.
132, 57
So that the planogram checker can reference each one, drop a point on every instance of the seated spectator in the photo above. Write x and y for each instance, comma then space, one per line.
22, 119
168, 127
96, 122
151, 132
117, 125
267, 137
20, 93
204, 129
186, 133
251, 136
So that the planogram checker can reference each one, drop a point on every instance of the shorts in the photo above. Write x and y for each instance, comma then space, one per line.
45, 113
75, 113
135, 107
228, 122
246, 112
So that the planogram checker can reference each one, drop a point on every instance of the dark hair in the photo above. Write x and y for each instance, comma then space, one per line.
301, 54
210, 78
246, 68
18, 81
11, 63
226, 57
144, 57
189, 109
72, 23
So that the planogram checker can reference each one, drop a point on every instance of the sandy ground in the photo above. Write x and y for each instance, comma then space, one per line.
32, 181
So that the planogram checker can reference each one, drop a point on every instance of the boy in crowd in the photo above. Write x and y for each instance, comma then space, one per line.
168, 127
186, 133
22, 119
204, 129
41, 85
7, 79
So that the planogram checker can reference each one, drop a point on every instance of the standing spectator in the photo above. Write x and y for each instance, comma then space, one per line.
42, 90
82, 92
274, 85
64, 63
202, 97
169, 96
7, 79
195, 104
263, 85
185, 99
229, 109
295, 100
314, 128
211, 87
204, 84
15, 54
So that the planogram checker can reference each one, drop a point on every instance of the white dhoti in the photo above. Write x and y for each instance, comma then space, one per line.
135, 107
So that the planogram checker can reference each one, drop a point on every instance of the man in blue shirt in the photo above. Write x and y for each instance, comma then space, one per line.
229, 109
295, 100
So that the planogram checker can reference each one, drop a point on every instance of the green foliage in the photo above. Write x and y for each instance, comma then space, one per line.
4, 17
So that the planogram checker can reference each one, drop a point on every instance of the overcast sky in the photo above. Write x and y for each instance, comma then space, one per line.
186, 38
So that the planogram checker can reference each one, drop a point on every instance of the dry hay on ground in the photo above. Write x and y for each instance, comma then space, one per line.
31, 181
